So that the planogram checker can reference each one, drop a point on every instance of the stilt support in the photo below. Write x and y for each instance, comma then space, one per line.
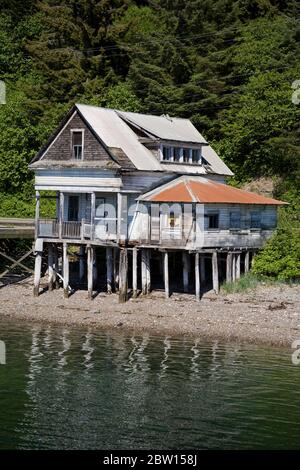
144, 271
50, 267
109, 270
238, 266
229, 267
37, 273
123, 269
246, 262
185, 273
134, 273
166, 274
197, 276
90, 263
215, 272
66, 270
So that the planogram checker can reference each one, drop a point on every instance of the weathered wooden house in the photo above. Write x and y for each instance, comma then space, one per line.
151, 193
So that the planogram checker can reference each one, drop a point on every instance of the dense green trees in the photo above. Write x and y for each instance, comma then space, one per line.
228, 65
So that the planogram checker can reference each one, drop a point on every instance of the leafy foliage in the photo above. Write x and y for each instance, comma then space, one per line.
228, 65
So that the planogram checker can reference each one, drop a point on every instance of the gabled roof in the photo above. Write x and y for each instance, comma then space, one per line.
113, 129
165, 127
189, 189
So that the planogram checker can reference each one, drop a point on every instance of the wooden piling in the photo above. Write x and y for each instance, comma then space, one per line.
50, 267
144, 271
238, 266
66, 270
123, 269
116, 268
229, 267
148, 271
246, 262
90, 262
55, 261
166, 274
109, 270
197, 276
185, 271
37, 273
215, 272
202, 269
134, 273
233, 267
81, 263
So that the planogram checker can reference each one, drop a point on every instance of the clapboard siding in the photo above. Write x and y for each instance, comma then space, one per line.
81, 179
144, 181
61, 147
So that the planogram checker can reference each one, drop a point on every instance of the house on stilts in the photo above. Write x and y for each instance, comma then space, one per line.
141, 203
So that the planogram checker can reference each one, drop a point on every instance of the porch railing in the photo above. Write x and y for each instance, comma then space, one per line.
48, 228
71, 230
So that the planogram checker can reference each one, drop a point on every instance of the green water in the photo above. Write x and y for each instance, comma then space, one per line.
80, 389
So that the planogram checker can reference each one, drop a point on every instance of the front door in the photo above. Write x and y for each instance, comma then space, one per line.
73, 211
100, 222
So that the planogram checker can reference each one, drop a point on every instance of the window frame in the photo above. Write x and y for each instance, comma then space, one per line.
210, 214
73, 131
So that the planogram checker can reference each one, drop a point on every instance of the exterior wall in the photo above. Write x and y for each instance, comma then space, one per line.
191, 229
77, 180
60, 149
142, 181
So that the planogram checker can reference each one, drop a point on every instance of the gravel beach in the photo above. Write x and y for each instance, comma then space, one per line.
266, 315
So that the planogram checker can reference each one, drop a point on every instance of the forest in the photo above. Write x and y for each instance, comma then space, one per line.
231, 66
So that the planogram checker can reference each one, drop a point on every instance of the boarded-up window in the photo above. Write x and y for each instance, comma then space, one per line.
77, 145
235, 219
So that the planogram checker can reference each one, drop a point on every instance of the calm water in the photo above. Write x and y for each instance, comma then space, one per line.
77, 389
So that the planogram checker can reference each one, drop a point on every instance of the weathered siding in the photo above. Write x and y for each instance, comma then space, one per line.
61, 147
77, 179
143, 181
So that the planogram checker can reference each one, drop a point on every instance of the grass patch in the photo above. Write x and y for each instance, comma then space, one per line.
247, 282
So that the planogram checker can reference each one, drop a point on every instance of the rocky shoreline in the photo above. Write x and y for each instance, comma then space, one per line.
266, 315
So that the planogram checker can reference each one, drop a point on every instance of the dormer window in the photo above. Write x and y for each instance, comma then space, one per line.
166, 153
196, 156
181, 155
77, 144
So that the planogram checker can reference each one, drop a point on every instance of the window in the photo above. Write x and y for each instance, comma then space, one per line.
186, 155
195, 156
174, 220
213, 220
77, 145
182, 155
255, 219
177, 154
73, 209
167, 153
235, 219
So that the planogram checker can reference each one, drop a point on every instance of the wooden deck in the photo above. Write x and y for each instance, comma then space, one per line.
16, 228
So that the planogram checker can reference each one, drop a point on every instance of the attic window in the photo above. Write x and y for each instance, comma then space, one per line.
77, 144
166, 153
181, 155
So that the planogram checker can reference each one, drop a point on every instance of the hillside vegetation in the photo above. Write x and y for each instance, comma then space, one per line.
229, 65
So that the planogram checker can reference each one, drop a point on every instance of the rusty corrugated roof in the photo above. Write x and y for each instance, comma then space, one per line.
198, 189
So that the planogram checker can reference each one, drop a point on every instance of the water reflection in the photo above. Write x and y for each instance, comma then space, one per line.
87, 389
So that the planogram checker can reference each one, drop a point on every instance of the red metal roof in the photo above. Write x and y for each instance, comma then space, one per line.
207, 191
